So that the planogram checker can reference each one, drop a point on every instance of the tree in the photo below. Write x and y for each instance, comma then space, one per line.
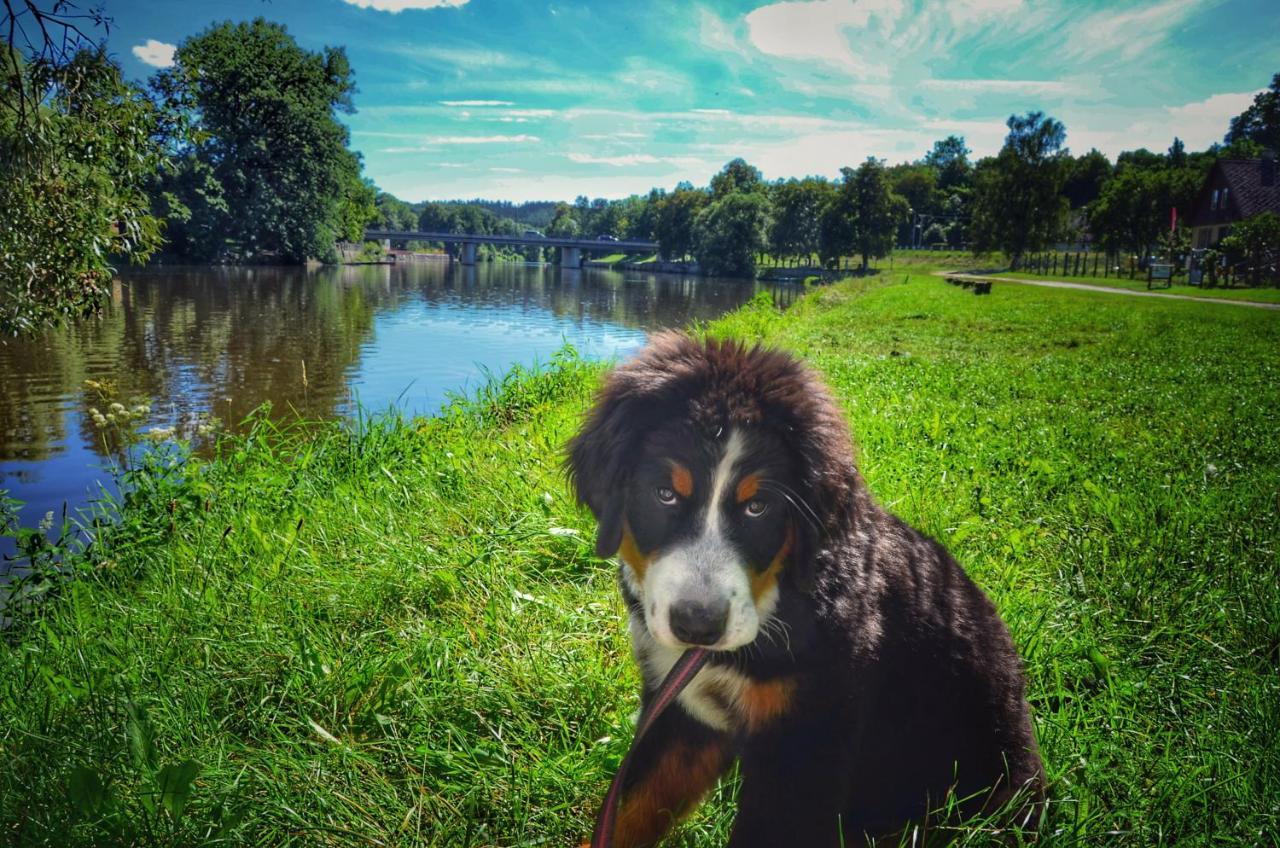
1260, 123
564, 223
273, 154
1134, 209
78, 149
1017, 204
862, 216
674, 221
737, 175
1255, 241
797, 210
950, 159
918, 185
394, 213
877, 211
1085, 178
730, 232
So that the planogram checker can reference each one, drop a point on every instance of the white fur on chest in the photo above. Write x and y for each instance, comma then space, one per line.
655, 661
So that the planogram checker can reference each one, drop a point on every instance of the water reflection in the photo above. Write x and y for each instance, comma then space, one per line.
200, 342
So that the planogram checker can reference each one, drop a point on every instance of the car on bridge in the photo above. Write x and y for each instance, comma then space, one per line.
533, 234
606, 237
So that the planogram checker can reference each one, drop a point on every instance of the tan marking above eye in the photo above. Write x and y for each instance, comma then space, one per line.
748, 488
681, 480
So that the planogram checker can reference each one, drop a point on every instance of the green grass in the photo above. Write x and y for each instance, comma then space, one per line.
1257, 295
398, 635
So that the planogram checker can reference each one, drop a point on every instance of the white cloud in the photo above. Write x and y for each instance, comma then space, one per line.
476, 103
819, 30
1130, 33
1213, 113
1199, 124
397, 6
157, 54
628, 160
613, 136
435, 142
964, 11
997, 86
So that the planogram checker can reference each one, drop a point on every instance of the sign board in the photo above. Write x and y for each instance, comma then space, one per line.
1161, 272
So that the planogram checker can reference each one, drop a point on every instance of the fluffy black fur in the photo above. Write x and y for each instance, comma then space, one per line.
900, 688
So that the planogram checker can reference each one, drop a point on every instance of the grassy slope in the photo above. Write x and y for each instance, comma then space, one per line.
396, 637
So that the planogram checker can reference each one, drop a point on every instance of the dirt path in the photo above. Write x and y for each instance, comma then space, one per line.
1062, 284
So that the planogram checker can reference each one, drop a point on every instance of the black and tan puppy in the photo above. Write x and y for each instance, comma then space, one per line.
858, 675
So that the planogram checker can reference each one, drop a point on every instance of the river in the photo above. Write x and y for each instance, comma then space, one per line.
208, 345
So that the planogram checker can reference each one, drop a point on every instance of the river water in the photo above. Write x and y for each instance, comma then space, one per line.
196, 344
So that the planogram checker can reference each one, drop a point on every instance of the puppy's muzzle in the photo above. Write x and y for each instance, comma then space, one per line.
699, 622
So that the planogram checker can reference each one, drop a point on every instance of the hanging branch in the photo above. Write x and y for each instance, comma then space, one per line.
48, 39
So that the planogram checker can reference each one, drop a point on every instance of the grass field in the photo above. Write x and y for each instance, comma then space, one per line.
396, 634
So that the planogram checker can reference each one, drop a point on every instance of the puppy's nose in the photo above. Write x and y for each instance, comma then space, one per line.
699, 622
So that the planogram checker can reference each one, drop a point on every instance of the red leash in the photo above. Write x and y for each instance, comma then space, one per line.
679, 677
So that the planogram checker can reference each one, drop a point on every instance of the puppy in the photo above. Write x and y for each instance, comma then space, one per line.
858, 676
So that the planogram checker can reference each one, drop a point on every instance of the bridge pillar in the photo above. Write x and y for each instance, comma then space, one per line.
468, 253
386, 245
570, 257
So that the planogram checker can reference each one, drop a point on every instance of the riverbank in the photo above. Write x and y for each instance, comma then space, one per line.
397, 632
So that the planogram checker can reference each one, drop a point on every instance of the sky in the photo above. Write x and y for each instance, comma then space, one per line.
526, 99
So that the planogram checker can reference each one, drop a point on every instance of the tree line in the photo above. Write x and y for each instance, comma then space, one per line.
1033, 194
235, 154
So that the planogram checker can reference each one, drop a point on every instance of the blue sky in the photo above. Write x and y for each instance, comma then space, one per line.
523, 99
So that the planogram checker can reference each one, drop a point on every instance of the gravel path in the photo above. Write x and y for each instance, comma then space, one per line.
1063, 284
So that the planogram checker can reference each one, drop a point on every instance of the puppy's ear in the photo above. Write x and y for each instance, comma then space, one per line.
609, 534
599, 462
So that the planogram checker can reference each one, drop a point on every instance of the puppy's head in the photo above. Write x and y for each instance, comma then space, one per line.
715, 472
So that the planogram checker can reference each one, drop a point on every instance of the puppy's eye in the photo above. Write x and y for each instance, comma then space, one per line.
755, 509
665, 496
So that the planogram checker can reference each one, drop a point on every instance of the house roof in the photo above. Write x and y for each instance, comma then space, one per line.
1247, 195
1250, 196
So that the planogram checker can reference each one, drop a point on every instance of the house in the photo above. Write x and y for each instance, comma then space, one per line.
1235, 189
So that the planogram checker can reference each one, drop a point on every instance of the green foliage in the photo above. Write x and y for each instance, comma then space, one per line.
394, 213
1085, 178
1260, 123
1255, 243
731, 231
863, 216
673, 226
75, 164
950, 159
1018, 206
268, 175
736, 177
796, 216
1133, 211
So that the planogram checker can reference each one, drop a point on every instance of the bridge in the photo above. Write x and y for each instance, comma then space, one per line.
572, 250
